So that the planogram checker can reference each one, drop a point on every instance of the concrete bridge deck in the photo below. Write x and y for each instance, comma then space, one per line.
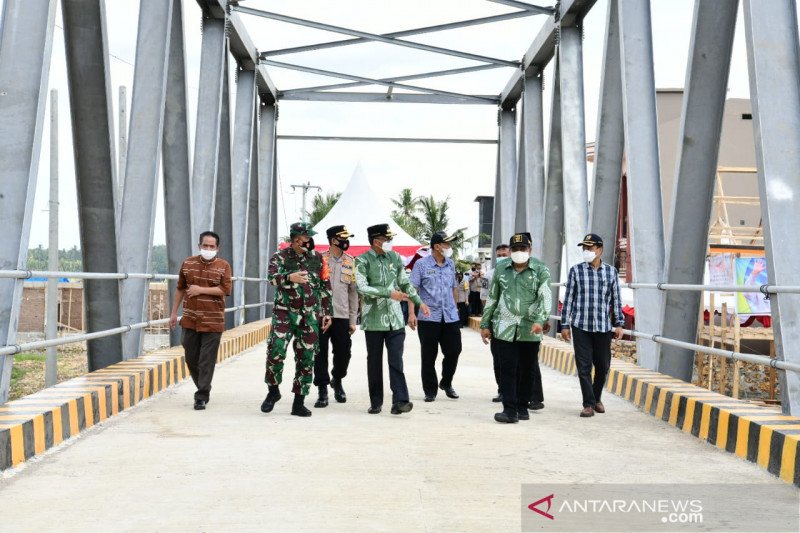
445, 466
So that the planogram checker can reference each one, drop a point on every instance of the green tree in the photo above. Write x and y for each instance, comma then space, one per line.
434, 217
321, 205
158, 260
406, 214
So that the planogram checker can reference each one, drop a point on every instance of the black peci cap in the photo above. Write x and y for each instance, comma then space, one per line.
520, 239
380, 230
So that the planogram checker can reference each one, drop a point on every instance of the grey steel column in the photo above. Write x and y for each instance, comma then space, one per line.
26, 39
240, 177
644, 181
141, 176
122, 146
252, 290
267, 193
274, 238
693, 190
175, 160
609, 142
89, 75
573, 141
51, 298
223, 215
207, 129
553, 238
531, 180
774, 65
506, 186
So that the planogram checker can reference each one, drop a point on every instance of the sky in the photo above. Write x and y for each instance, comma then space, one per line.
457, 172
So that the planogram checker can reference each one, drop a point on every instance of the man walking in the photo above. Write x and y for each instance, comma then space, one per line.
463, 299
345, 314
501, 252
516, 310
302, 300
382, 280
434, 278
591, 298
475, 289
204, 281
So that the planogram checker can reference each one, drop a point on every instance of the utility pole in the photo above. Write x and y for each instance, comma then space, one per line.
305, 186
51, 320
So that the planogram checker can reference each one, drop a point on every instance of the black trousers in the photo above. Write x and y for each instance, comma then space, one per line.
394, 342
463, 313
495, 362
431, 336
475, 303
339, 336
520, 378
592, 349
200, 351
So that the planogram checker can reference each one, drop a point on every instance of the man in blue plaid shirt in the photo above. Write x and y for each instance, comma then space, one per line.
592, 298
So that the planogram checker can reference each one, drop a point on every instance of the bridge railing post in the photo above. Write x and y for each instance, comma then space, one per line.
267, 195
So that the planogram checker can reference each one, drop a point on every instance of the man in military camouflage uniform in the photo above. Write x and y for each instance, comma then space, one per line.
302, 301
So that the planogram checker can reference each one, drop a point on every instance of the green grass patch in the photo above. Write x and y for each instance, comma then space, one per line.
40, 357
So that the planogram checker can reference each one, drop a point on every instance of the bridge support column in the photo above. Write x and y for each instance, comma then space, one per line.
693, 196
222, 223
88, 74
267, 197
240, 185
553, 238
175, 160
774, 66
609, 143
252, 290
530, 175
573, 133
141, 175
644, 182
26, 40
506, 184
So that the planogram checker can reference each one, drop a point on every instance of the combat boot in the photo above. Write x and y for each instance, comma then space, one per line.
298, 409
338, 391
323, 397
272, 396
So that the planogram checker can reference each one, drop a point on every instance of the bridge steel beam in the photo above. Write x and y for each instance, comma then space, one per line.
774, 66
609, 142
207, 128
223, 196
644, 180
26, 40
88, 75
553, 238
252, 290
506, 179
175, 160
531, 178
243, 127
267, 195
573, 134
137, 219
693, 196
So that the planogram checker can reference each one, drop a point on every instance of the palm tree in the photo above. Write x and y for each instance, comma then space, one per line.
433, 217
321, 205
406, 213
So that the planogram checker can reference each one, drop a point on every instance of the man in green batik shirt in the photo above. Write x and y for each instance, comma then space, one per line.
517, 309
382, 281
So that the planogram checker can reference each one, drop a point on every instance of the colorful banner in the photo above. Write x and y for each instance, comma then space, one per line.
751, 271
720, 269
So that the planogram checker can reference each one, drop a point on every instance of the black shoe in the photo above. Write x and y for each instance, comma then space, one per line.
498, 398
523, 414
200, 405
269, 402
323, 397
374, 410
536, 406
429, 397
506, 418
402, 407
450, 392
338, 392
298, 409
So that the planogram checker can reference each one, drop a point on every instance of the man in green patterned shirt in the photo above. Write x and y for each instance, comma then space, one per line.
517, 308
383, 283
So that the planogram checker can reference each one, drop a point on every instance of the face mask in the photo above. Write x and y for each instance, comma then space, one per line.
307, 246
344, 245
447, 252
208, 255
387, 246
520, 257
589, 256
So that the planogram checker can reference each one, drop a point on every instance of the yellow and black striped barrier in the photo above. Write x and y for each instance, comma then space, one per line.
37, 422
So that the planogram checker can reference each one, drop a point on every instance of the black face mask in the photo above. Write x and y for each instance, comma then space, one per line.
474, 269
344, 245
308, 246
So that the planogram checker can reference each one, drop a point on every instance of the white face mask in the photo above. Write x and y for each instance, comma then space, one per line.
589, 256
447, 252
208, 255
520, 257
387, 246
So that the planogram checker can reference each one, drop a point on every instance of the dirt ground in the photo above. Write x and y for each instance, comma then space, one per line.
27, 375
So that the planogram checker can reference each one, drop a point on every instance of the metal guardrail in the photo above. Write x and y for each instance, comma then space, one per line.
764, 289
27, 274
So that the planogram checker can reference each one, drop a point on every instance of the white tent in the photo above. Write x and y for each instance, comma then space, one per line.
358, 208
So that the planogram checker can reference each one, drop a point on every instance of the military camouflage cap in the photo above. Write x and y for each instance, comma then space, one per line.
301, 228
